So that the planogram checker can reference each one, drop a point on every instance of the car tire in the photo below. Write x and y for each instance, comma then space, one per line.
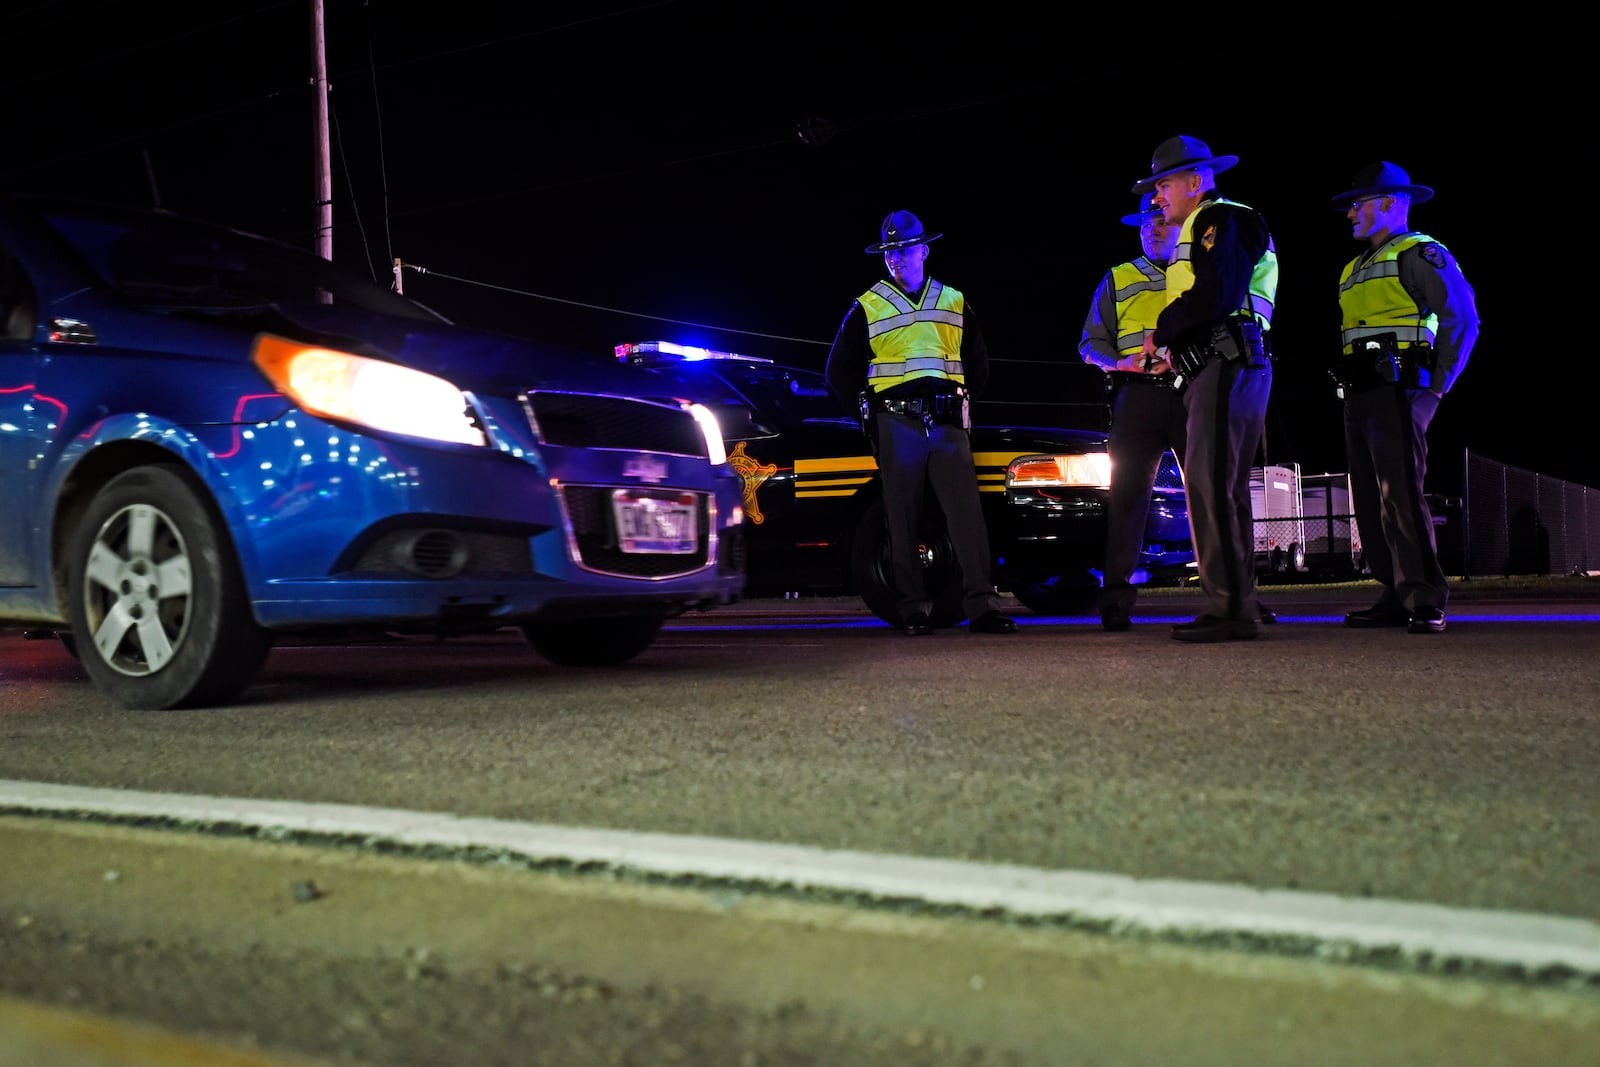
601, 642
874, 577
1064, 594
160, 617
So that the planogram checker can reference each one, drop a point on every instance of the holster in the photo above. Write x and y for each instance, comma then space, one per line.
1230, 339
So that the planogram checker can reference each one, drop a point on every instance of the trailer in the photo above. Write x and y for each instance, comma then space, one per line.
1277, 508
1304, 523
1333, 541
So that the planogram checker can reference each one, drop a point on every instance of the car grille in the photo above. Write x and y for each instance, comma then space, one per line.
590, 420
595, 530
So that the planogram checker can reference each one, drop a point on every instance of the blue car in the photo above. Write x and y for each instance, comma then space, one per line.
209, 439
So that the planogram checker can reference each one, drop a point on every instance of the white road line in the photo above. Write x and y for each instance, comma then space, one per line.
1337, 925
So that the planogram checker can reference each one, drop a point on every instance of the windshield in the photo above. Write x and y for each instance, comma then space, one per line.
795, 395
166, 261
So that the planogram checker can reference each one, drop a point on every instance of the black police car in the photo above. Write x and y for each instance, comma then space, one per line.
813, 517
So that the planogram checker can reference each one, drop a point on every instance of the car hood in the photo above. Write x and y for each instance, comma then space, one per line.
1048, 439
481, 361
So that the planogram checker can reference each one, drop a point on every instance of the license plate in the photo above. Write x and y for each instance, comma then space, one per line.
655, 522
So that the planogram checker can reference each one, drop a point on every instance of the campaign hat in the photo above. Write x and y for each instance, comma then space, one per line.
901, 229
1381, 179
1147, 209
1181, 153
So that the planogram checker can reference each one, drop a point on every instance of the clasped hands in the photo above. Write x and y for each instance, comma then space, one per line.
1151, 360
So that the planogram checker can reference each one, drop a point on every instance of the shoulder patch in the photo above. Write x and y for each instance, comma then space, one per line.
1433, 255
1209, 238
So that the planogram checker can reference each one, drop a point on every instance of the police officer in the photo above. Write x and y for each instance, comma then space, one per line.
910, 351
1409, 321
1221, 284
1147, 415
1147, 412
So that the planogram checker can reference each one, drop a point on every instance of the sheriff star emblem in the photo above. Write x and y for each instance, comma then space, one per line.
754, 474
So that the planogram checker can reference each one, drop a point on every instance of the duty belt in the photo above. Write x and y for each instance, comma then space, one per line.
938, 408
1378, 361
1121, 377
946, 409
1229, 339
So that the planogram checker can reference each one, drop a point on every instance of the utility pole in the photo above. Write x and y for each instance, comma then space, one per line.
324, 177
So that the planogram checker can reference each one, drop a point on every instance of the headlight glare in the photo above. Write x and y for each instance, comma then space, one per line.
1085, 470
715, 449
369, 392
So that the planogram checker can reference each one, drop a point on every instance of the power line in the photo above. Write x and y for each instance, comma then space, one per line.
610, 310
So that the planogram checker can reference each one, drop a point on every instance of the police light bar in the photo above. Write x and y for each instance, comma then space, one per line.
656, 351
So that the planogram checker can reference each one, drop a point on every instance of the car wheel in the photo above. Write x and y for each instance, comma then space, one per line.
602, 642
1297, 557
160, 618
1064, 594
874, 576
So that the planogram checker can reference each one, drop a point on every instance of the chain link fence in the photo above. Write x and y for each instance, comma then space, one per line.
1515, 521
1509, 521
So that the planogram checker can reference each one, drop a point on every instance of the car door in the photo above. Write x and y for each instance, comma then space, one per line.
19, 363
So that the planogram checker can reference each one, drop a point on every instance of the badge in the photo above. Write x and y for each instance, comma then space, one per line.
1210, 238
754, 473
1433, 255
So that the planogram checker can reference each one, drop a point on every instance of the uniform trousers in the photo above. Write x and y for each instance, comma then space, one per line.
912, 457
1226, 404
1386, 444
1147, 419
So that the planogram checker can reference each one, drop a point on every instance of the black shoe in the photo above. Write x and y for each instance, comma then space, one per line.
918, 625
1380, 614
1115, 619
1208, 628
992, 622
1426, 621
1268, 616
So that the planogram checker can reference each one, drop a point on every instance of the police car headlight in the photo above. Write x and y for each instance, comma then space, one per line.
716, 451
1085, 470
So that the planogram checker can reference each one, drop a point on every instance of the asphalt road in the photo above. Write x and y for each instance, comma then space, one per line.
1316, 762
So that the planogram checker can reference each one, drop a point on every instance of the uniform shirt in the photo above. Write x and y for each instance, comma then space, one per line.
1229, 240
1125, 306
851, 352
1431, 276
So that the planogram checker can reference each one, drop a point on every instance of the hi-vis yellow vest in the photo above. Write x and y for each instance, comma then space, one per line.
911, 341
1372, 301
1263, 278
1140, 295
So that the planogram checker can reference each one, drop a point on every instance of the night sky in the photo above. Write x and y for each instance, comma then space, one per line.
710, 173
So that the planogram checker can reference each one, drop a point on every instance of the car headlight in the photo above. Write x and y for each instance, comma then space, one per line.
716, 451
1085, 470
368, 392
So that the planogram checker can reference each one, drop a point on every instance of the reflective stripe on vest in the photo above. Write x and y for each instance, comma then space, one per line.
911, 341
1372, 301
1263, 277
1140, 296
